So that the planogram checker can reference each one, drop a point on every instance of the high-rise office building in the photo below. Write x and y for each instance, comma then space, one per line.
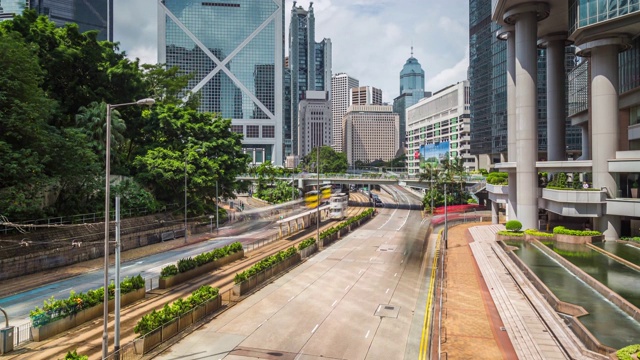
314, 117
370, 133
443, 117
488, 78
309, 62
603, 100
89, 15
411, 91
365, 95
341, 85
235, 50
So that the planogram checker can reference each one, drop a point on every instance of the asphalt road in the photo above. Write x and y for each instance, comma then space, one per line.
357, 299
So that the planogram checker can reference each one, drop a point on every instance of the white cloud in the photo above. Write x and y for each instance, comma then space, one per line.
371, 38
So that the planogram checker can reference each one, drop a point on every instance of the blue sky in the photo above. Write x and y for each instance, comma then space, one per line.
371, 38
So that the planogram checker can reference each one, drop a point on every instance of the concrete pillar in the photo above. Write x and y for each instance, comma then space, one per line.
494, 212
508, 34
586, 145
556, 113
512, 201
525, 18
604, 118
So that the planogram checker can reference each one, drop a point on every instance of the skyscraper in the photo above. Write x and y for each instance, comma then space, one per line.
10, 8
411, 91
370, 133
89, 15
309, 62
341, 85
315, 122
365, 95
235, 50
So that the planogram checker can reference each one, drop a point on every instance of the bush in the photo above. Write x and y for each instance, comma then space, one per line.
626, 352
53, 309
306, 243
73, 355
187, 264
513, 225
537, 233
265, 264
155, 319
498, 178
510, 233
564, 231
635, 238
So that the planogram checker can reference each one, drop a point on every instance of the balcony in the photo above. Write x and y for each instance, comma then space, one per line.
498, 193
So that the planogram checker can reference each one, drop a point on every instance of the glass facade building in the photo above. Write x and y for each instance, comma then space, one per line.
411, 91
9, 8
89, 15
235, 52
583, 13
309, 64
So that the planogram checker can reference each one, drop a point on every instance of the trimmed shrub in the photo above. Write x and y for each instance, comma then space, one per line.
187, 264
534, 232
306, 243
73, 355
513, 225
626, 352
564, 231
169, 271
510, 233
265, 264
498, 178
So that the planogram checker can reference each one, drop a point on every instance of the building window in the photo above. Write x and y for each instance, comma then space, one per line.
253, 131
269, 131
236, 129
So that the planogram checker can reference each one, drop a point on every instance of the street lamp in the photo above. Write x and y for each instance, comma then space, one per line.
105, 335
319, 199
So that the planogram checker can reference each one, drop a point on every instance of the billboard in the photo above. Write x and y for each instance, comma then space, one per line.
434, 153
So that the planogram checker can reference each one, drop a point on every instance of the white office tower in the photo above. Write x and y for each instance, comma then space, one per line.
235, 52
443, 117
365, 95
314, 118
370, 133
341, 85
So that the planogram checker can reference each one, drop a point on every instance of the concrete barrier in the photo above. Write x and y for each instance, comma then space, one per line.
166, 283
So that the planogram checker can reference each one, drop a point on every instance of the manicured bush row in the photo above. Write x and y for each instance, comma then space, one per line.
498, 178
511, 233
187, 264
155, 319
306, 243
265, 263
635, 238
626, 352
564, 231
537, 233
334, 229
53, 309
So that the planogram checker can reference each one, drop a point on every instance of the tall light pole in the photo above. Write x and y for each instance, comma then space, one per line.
186, 157
319, 199
105, 335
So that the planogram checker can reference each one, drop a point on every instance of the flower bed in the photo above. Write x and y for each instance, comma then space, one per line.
58, 316
626, 353
189, 268
565, 235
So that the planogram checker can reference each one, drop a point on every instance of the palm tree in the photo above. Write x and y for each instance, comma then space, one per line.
92, 120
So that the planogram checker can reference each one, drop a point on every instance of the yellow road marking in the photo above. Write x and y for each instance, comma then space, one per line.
424, 340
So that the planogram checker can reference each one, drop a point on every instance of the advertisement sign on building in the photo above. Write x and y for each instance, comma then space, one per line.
434, 153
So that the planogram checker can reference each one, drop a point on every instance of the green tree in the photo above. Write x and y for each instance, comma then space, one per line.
330, 161
92, 120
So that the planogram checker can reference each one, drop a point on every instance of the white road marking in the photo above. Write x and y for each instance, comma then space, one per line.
360, 272
386, 292
65, 290
334, 303
389, 219
345, 289
366, 336
315, 328
396, 274
405, 221
379, 306
292, 298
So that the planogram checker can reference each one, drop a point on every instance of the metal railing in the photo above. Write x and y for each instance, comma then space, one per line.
22, 334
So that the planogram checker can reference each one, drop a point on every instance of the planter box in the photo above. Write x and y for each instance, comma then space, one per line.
528, 237
213, 305
500, 237
169, 330
199, 312
61, 325
147, 343
308, 251
185, 321
166, 283
252, 282
572, 239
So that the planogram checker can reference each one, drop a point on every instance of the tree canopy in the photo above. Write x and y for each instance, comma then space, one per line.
330, 161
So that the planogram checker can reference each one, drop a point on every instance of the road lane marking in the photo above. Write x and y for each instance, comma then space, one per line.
386, 292
65, 290
334, 303
366, 336
292, 298
345, 289
360, 272
315, 328
396, 274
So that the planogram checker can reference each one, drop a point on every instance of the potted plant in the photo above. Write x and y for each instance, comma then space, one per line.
634, 189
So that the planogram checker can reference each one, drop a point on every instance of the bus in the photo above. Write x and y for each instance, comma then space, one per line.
311, 197
338, 204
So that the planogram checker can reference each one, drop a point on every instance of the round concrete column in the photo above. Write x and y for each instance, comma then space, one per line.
556, 113
512, 203
494, 212
526, 118
586, 154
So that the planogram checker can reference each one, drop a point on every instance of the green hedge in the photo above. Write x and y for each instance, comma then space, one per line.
184, 265
498, 178
73, 355
306, 243
537, 233
334, 229
53, 309
265, 264
513, 225
626, 352
155, 319
635, 238
511, 233
564, 231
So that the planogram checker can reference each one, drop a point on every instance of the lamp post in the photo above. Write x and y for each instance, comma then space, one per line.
217, 212
186, 232
319, 199
105, 335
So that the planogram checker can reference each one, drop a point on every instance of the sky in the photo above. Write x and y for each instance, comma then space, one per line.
371, 39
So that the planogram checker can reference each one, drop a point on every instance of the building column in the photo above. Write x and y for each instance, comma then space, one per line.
586, 155
525, 18
494, 213
556, 112
604, 118
512, 201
